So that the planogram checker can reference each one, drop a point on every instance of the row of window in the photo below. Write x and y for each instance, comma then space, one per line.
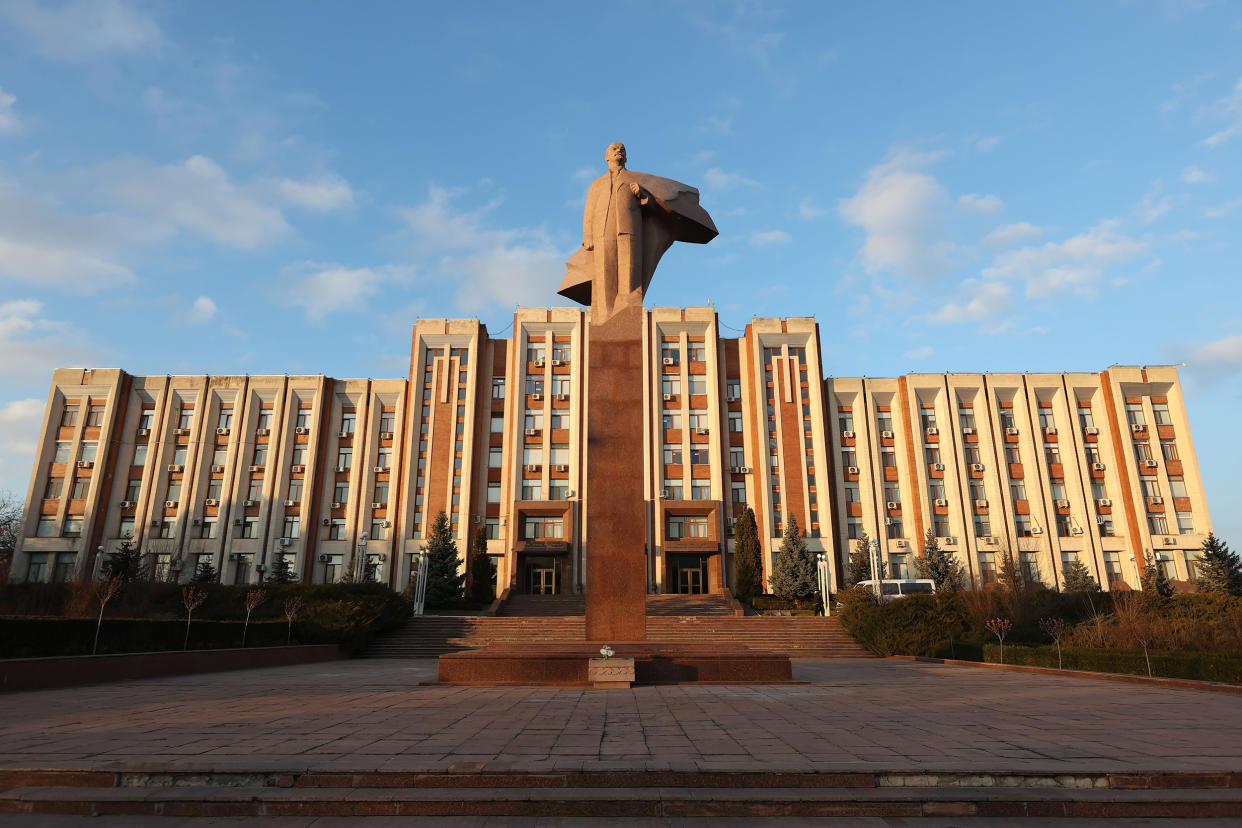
1046, 417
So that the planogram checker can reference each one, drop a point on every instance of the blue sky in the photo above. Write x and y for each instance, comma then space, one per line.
284, 187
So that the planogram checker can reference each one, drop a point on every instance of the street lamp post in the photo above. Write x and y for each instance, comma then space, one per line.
821, 560
420, 581
360, 562
875, 567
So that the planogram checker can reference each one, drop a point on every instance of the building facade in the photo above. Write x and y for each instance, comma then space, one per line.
240, 471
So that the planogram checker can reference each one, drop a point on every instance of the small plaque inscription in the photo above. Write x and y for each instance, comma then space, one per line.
611, 672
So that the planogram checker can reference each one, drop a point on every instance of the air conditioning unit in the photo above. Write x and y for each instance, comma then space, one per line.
1050, 429
181, 432
251, 503
700, 431
1061, 504
892, 504
981, 504
1091, 430
1074, 530
1011, 431
211, 501
561, 467
297, 469
1037, 530
664, 493
176, 467
669, 361
1155, 500
85, 464
531, 432
291, 503
223, 432
950, 541
385, 435
556, 363
537, 397
847, 435
940, 501
562, 397
345, 434
127, 504
851, 469
968, 430
336, 504
991, 540
931, 431
1097, 467
379, 469
887, 435
937, 466
256, 468
237, 522
976, 467
286, 541
196, 522
901, 544
301, 430
532, 467
539, 362
1103, 501
342, 468
1138, 428
387, 525
217, 469
888, 521
325, 558
375, 504
262, 432
170, 504
143, 432
1170, 542
732, 398
1151, 464
668, 397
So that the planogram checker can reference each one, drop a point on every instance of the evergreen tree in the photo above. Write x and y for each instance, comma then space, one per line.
794, 571
1155, 584
1220, 568
125, 564
860, 561
444, 578
747, 564
1077, 578
938, 565
205, 573
281, 571
482, 577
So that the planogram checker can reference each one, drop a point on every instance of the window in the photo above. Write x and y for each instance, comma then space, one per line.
1158, 524
344, 458
698, 418
735, 421
966, 418
733, 389
1092, 453
534, 386
1105, 522
672, 420
303, 418
168, 527
1057, 489
686, 526
670, 385
669, 350
179, 455
700, 490
388, 421
1005, 416
61, 455
126, 528
853, 528
983, 527
851, 492
927, 418
1160, 413
672, 489
561, 351
888, 457
349, 420
1012, 455
532, 490
140, 455
1177, 486
845, 420
532, 456
340, 491
94, 415
558, 490
935, 490
1142, 450
213, 488
1052, 453
931, 453
970, 454
534, 352
1022, 525
894, 527
380, 494
738, 491
897, 567
1168, 449
498, 423
1017, 489
207, 528
219, 455
940, 525
224, 419
537, 526
132, 488
1193, 572
260, 455
52, 490
69, 416
699, 456
1098, 490
848, 458
298, 456
1151, 487
36, 569
697, 384
46, 527
1185, 523
383, 457
1046, 418
145, 418
255, 490
892, 493
560, 385
72, 527
250, 527
883, 421
1112, 566
291, 526
493, 492
174, 491
987, 567
185, 417
1063, 526
534, 419
696, 352
89, 452
379, 529
1134, 414
672, 454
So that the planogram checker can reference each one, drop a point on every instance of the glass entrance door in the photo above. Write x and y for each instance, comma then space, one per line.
692, 576
542, 580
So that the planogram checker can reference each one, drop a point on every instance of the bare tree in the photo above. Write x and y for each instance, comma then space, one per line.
105, 591
1054, 628
292, 604
11, 508
193, 598
253, 598
999, 627
1135, 622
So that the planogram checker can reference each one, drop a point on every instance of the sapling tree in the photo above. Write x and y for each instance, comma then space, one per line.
1000, 627
1055, 629
253, 598
292, 604
105, 591
193, 598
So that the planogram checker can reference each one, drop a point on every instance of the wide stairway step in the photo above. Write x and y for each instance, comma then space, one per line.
637, 794
662, 605
797, 636
542, 606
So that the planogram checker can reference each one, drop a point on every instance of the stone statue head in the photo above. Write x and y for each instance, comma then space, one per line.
615, 154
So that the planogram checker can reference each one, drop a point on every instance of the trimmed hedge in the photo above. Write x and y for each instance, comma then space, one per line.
915, 625
42, 637
1196, 666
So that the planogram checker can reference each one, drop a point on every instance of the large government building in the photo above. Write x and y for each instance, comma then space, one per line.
238, 470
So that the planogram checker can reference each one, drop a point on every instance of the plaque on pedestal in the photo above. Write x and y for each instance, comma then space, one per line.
609, 673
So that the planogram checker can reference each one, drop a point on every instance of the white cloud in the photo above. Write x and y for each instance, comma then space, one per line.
493, 266
203, 310
1008, 235
987, 143
763, 237
808, 209
1222, 209
1231, 107
33, 346
83, 29
20, 424
1153, 205
1194, 175
1074, 265
987, 300
327, 192
919, 353
1210, 361
901, 209
717, 179
321, 288
9, 122
982, 205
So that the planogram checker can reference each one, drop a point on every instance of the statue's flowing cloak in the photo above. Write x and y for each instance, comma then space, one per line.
681, 219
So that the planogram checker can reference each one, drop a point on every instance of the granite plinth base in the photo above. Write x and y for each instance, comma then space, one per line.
654, 663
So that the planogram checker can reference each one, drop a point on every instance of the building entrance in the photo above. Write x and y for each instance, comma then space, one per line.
543, 576
691, 575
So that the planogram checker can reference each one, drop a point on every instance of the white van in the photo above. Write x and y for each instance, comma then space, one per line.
894, 588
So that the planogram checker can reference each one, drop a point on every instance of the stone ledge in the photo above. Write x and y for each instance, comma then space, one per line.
1158, 681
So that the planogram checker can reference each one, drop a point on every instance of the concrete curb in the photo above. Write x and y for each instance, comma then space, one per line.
1159, 681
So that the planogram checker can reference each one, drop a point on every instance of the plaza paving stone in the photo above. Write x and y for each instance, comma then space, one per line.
869, 715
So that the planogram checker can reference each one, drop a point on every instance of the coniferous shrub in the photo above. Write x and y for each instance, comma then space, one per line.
482, 577
1220, 568
860, 561
938, 565
794, 570
444, 575
747, 564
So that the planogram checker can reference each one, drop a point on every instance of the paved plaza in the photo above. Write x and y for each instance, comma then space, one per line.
869, 715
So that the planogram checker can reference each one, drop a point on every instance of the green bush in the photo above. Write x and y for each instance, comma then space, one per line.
915, 625
1184, 665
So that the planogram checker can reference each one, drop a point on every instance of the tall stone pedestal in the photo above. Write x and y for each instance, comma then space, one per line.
616, 511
